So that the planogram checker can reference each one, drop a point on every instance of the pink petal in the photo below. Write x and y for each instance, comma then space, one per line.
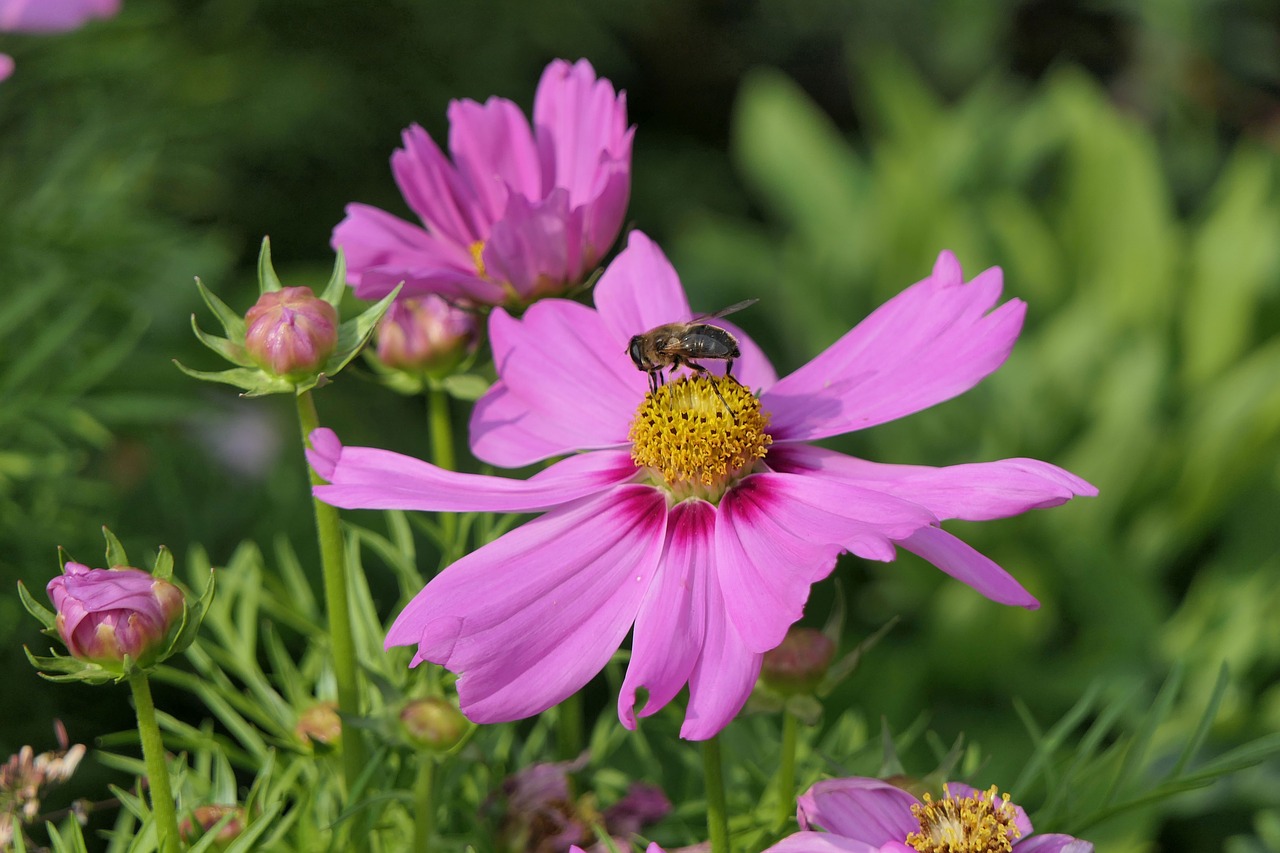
368, 478
725, 672
537, 245
968, 566
566, 385
51, 16
382, 251
493, 150
639, 290
822, 842
670, 626
867, 810
931, 342
604, 215
578, 118
6, 66
437, 192
528, 619
975, 492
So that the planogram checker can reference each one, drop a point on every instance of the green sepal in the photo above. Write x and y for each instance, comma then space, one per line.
47, 617
115, 551
192, 616
805, 708
465, 386
267, 278
232, 323
163, 567
337, 284
64, 668
225, 347
254, 383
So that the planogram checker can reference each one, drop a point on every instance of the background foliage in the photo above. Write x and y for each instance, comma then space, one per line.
1120, 161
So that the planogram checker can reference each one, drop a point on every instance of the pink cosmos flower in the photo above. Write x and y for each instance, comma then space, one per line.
520, 212
6, 66
861, 815
701, 529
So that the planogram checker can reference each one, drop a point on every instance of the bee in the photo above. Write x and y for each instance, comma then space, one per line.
675, 345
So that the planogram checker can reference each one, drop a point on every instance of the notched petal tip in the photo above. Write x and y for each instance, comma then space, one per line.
325, 451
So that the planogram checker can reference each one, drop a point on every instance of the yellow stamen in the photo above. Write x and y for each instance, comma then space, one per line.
688, 438
477, 256
982, 823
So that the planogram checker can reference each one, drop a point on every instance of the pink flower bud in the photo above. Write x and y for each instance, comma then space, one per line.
105, 614
433, 723
800, 662
319, 723
291, 332
204, 818
426, 334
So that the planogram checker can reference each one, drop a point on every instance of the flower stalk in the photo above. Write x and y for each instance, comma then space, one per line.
440, 425
787, 768
424, 813
717, 813
333, 567
162, 803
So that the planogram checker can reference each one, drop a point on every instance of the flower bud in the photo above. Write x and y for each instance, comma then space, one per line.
291, 332
433, 724
426, 334
204, 818
105, 614
319, 724
799, 663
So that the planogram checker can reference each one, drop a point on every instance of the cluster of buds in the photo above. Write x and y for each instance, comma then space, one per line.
291, 340
115, 621
227, 822
23, 777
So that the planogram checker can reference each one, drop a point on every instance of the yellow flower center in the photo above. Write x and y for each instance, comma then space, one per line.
699, 435
982, 823
477, 257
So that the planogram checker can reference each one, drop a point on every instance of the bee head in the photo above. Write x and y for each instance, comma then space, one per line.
635, 349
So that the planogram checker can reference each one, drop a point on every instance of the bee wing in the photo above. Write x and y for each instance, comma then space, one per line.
724, 312
698, 345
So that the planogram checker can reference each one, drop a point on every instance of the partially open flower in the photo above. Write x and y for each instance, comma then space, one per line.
291, 332
106, 614
861, 815
426, 335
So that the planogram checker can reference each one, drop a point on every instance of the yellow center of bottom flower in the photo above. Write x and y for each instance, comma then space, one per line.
699, 435
982, 823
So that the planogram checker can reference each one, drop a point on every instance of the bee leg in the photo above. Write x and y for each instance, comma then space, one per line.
728, 371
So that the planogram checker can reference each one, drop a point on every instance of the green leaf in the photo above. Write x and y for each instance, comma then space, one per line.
267, 278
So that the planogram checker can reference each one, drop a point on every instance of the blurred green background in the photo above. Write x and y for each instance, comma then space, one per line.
1120, 161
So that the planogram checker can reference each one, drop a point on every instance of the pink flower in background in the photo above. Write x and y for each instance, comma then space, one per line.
48, 16
861, 815
521, 212
52, 16
699, 529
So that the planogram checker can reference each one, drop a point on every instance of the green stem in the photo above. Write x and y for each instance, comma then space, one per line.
717, 813
333, 566
787, 769
162, 803
440, 423
569, 728
424, 816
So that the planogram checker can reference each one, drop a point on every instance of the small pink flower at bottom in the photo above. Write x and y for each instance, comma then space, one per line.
696, 516
6, 66
861, 815
52, 16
